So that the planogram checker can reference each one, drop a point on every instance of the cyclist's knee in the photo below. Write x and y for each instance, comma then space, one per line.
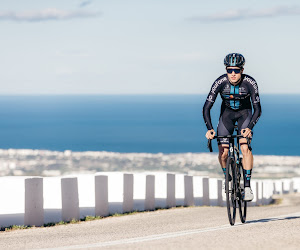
245, 149
223, 152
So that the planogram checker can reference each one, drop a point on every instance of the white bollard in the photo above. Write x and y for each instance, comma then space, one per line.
278, 187
254, 187
286, 186
264, 193
70, 201
220, 193
128, 193
205, 182
188, 191
171, 200
101, 195
259, 193
292, 186
267, 192
296, 181
150, 192
34, 208
271, 191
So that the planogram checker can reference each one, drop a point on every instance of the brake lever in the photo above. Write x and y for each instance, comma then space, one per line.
209, 145
249, 144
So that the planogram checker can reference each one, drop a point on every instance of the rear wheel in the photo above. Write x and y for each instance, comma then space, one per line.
230, 191
241, 202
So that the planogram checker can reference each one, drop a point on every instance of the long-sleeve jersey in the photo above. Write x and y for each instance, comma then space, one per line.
235, 97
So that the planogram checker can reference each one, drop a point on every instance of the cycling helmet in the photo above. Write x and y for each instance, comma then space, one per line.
234, 60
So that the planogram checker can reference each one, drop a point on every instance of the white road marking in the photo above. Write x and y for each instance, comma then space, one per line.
172, 235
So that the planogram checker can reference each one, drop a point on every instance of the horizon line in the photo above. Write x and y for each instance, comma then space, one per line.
127, 94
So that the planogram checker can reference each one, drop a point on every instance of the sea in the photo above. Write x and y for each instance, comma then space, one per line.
137, 123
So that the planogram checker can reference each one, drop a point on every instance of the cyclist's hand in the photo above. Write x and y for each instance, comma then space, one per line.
210, 134
246, 133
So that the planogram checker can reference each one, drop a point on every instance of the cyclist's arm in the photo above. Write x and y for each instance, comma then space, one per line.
210, 100
255, 103
206, 113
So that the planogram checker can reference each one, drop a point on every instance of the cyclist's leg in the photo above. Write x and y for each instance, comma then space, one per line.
223, 155
243, 122
247, 154
225, 127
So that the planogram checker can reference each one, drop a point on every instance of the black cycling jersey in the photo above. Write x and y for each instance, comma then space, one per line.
235, 97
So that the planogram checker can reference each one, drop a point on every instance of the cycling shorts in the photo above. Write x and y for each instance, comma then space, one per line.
227, 120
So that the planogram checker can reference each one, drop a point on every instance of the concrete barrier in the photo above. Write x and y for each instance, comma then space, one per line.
296, 181
287, 186
171, 200
150, 192
205, 183
34, 207
188, 191
260, 193
292, 190
109, 192
278, 186
255, 189
267, 191
128, 193
101, 195
221, 201
70, 200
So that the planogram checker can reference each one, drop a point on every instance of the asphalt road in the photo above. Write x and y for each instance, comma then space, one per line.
267, 227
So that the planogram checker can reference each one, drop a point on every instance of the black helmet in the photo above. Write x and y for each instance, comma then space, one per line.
234, 60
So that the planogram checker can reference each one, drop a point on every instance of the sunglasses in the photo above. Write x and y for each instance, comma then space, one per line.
236, 71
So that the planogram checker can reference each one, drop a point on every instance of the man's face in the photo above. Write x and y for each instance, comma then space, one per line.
233, 75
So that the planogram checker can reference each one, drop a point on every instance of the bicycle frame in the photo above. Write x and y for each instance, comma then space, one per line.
235, 165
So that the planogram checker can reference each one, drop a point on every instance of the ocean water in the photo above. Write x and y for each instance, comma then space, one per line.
161, 123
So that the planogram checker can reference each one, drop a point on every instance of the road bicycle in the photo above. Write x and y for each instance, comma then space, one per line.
234, 188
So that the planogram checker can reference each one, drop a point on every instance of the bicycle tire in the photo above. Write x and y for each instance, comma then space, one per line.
242, 204
230, 194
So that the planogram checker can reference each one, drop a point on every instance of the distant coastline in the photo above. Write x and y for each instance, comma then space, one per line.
53, 163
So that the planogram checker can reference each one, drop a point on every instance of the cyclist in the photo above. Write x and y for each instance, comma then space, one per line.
238, 91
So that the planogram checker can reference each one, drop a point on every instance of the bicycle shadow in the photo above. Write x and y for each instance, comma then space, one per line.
272, 219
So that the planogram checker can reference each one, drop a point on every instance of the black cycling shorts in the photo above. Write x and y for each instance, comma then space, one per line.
227, 120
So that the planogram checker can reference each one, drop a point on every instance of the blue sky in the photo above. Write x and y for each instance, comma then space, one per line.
145, 47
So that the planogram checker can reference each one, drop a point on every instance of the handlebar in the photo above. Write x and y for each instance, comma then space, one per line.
228, 136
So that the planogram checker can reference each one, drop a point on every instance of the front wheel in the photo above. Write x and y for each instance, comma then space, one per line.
243, 210
230, 191
241, 202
